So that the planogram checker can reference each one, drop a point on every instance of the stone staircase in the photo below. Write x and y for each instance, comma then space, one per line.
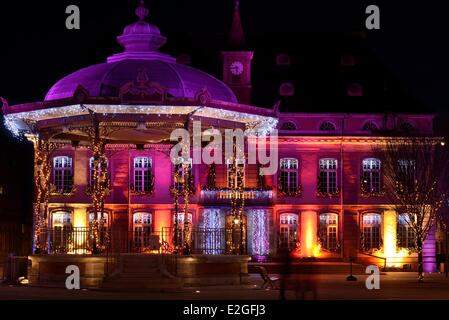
141, 272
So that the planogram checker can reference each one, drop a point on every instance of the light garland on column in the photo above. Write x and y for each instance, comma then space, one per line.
42, 165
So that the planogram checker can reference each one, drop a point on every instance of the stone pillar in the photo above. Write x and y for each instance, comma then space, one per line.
308, 233
390, 223
429, 251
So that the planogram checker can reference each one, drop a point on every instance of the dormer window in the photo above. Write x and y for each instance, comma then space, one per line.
283, 59
288, 126
287, 89
347, 60
354, 90
370, 126
327, 126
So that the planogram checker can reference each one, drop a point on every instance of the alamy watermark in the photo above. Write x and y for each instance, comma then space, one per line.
261, 149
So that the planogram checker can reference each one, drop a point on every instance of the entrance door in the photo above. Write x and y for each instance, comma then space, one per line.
234, 237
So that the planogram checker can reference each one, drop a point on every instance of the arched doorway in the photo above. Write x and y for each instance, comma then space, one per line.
236, 240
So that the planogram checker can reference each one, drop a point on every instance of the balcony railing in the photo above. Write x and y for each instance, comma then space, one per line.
224, 195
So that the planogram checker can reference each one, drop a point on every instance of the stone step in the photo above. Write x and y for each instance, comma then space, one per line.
310, 268
141, 284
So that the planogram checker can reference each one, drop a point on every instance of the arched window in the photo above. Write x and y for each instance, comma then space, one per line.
180, 219
63, 174
328, 176
287, 89
101, 221
91, 170
406, 234
327, 126
61, 219
288, 126
288, 179
406, 127
142, 230
61, 233
371, 175
283, 59
288, 230
179, 180
370, 126
371, 231
142, 174
238, 178
329, 230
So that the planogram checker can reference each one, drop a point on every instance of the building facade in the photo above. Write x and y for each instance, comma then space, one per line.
103, 169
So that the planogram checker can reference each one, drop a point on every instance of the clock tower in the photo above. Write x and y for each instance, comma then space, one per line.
237, 61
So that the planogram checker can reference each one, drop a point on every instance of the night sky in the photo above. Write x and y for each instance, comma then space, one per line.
37, 49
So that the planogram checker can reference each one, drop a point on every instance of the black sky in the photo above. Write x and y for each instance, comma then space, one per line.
37, 49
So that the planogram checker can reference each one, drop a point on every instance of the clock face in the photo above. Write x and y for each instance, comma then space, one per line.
236, 68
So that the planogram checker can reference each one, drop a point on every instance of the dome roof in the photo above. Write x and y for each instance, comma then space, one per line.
141, 41
106, 79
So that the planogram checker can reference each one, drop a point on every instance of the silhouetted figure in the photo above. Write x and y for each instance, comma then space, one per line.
285, 270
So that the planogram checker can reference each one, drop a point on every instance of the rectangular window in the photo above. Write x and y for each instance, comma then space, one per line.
289, 175
180, 180
63, 174
142, 174
328, 176
371, 175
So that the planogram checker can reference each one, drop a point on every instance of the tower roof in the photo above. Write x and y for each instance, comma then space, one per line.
236, 36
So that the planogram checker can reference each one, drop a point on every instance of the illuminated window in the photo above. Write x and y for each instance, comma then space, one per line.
179, 181
180, 219
142, 229
289, 175
91, 170
63, 174
288, 126
370, 126
101, 221
328, 176
61, 219
371, 231
371, 175
288, 230
327, 126
329, 230
142, 174
406, 234
238, 178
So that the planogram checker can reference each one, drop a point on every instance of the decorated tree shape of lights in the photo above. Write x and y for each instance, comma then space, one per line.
187, 222
42, 164
175, 193
100, 186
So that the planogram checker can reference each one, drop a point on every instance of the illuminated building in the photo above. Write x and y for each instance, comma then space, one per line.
105, 177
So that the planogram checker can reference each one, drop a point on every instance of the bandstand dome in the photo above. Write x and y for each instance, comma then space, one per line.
141, 41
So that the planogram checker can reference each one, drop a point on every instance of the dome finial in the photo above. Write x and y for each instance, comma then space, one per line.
142, 11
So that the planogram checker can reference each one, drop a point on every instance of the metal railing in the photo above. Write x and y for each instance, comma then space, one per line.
113, 241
